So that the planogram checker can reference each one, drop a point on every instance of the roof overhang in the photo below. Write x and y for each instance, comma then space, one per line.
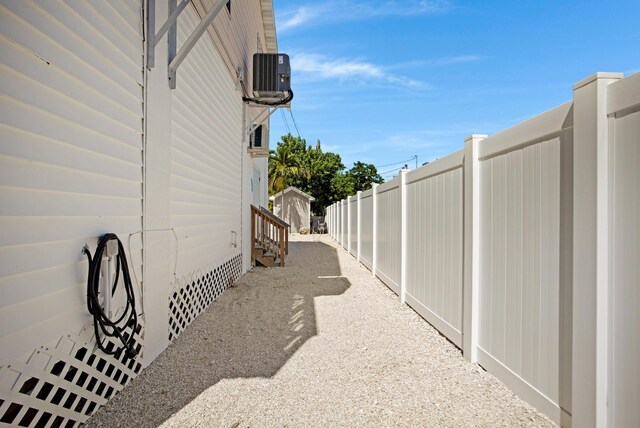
269, 24
291, 189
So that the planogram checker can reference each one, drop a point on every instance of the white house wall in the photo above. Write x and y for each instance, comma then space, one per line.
206, 174
92, 142
237, 35
71, 158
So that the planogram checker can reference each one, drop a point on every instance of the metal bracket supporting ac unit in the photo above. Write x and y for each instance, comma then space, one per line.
262, 117
175, 59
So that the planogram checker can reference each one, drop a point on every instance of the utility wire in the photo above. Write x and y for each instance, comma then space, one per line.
391, 171
284, 118
395, 163
295, 123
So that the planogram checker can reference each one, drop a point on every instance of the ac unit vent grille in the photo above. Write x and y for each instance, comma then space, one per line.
271, 75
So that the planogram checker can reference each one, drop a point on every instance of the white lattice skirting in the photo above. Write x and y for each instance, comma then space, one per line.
63, 383
194, 293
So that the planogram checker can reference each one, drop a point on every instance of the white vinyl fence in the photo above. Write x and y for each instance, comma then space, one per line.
388, 234
366, 228
434, 264
523, 249
353, 226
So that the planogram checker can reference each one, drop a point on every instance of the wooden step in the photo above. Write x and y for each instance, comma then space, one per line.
268, 261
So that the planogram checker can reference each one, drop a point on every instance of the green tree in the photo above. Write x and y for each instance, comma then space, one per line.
319, 168
320, 174
363, 175
342, 185
323, 167
284, 167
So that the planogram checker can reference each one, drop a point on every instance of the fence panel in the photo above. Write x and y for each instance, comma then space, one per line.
489, 240
434, 244
366, 228
624, 251
520, 256
388, 234
344, 231
353, 227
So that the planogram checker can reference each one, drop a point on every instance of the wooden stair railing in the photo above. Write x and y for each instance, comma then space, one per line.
270, 238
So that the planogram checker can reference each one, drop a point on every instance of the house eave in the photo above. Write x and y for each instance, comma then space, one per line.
269, 26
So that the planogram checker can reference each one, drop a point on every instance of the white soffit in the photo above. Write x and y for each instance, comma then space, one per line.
269, 23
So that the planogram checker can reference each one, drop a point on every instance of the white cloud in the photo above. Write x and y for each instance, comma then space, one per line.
458, 59
320, 67
312, 63
299, 17
343, 10
371, 9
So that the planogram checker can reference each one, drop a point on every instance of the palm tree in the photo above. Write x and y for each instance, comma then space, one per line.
283, 166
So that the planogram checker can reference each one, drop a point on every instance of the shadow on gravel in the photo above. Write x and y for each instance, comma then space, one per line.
250, 331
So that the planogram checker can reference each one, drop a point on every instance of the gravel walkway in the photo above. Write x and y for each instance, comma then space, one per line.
318, 343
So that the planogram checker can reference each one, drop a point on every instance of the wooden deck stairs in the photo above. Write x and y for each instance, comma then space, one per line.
270, 237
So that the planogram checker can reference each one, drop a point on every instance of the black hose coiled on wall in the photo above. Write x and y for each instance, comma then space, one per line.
101, 321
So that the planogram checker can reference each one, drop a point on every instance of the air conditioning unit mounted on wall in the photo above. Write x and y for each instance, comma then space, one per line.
271, 76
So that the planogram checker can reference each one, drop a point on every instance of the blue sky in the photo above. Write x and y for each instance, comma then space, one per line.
381, 81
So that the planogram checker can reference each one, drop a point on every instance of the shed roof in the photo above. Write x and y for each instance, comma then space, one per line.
292, 189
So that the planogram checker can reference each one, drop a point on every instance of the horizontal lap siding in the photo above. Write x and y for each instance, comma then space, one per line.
236, 35
70, 157
205, 155
435, 247
388, 236
366, 230
520, 262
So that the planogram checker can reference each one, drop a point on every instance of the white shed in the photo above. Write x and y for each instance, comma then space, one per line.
297, 207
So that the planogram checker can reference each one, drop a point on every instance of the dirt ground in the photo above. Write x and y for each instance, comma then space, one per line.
318, 343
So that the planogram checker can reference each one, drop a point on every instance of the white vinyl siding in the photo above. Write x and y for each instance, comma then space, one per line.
70, 157
205, 155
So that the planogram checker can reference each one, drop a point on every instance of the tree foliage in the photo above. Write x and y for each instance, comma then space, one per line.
363, 175
318, 173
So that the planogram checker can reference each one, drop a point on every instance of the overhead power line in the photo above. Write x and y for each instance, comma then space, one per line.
391, 171
286, 124
395, 163
295, 123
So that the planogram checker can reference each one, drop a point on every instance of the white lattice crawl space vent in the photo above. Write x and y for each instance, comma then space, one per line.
194, 295
62, 384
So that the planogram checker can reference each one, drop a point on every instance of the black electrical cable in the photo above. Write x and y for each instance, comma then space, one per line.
295, 123
101, 321
285, 122
284, 101
395, 163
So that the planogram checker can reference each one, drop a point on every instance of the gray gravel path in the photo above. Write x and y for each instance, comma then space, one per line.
319, 343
